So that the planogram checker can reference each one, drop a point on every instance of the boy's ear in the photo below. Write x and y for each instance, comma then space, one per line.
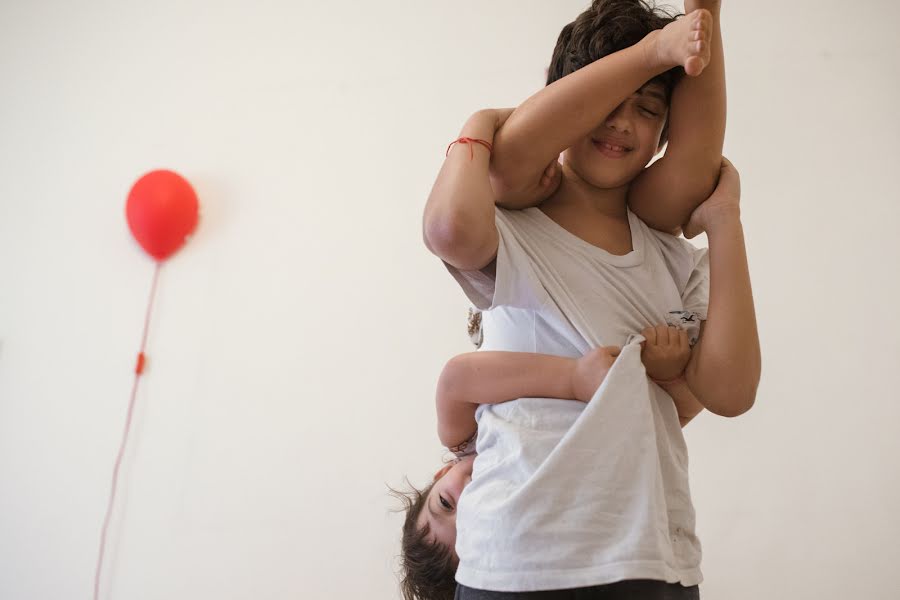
664, 135
443, 471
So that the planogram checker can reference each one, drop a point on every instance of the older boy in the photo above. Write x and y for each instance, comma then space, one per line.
594, 495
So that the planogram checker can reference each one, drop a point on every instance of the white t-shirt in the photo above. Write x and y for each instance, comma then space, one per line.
566, 494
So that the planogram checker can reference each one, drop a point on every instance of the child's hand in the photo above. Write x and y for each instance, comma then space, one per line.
666, 352
501, 115
723, 206
590, 371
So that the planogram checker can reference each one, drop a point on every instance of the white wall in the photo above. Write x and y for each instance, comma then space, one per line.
297, 339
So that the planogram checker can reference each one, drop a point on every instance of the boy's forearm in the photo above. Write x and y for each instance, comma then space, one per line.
459, 214
686, 175
686, 404
725, 364
558, 115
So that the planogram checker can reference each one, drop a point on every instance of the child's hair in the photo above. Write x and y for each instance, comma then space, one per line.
609, 26
428, 568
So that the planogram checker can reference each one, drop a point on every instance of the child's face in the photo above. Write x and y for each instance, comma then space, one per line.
440, 506
617, 150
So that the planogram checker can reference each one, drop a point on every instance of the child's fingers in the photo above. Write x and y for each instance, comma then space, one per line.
503, 115
673, 335
550, 174
662, 334
614, 350
650, 335
683, 341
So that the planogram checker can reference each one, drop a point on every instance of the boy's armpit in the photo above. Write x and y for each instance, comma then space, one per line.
491, 269
479, 286
508, 279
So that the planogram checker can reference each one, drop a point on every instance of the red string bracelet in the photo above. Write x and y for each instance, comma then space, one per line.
468, 140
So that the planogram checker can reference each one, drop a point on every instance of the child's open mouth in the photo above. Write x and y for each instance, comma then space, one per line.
610, 149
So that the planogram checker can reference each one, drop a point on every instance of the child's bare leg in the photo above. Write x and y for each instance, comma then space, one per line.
687, 174
557, 116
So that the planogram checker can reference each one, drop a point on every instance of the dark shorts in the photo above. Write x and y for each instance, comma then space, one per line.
633, 589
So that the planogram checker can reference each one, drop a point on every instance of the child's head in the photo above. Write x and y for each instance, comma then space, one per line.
428, 556
636, 129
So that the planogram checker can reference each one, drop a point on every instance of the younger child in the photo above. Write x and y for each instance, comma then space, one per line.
470, 380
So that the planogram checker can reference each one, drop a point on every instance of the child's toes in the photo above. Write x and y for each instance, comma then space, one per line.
694, 65
702, 22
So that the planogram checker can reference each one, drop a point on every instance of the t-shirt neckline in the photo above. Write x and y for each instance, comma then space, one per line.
631, 259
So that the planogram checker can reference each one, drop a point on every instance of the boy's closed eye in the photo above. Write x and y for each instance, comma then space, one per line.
648, 105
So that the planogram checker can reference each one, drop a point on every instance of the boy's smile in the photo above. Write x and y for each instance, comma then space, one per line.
611, 147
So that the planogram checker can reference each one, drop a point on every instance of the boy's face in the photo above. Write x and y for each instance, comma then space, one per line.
440, 506
618, 149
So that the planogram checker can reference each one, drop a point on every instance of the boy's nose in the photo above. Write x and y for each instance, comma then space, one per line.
618, 121
618, 124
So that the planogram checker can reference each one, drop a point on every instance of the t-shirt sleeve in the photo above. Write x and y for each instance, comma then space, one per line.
509, 280
696, 293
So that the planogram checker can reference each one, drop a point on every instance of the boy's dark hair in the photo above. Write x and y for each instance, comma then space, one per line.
609, 26
428, 568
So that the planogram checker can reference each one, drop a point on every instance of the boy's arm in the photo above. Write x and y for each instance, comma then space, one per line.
686, 175
725, 364
558, 115
686, 403
458, 224
494, 377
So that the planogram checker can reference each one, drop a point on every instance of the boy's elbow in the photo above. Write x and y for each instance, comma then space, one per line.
731, 400
458, 242
440, 234
727, 389
737, 406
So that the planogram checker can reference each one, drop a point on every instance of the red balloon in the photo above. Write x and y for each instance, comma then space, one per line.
162, 212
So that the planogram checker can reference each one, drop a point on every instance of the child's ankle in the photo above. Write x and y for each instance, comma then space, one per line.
654, 57
713, 6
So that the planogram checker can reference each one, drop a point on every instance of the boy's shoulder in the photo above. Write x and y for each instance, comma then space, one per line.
682, 258
669, 243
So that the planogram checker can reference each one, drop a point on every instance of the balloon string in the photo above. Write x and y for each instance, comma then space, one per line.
138, 371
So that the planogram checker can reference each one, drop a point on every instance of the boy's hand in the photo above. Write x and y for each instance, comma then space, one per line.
666, 352
590, 371
724, 206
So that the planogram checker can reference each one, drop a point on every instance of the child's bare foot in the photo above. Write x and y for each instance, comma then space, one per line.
686, 42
